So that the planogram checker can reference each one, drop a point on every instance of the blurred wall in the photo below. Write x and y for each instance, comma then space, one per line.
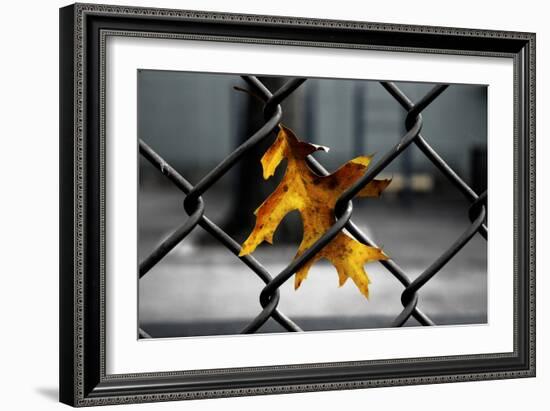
194, 120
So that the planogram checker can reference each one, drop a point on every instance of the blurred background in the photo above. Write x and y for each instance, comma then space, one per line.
194, 120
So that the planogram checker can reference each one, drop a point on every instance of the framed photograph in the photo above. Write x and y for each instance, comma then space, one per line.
261, 204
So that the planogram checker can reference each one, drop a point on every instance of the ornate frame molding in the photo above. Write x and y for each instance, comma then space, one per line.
82, 57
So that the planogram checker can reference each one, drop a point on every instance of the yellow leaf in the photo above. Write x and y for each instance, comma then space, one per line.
314, 197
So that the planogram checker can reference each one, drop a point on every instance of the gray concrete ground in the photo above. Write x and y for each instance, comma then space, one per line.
200, 288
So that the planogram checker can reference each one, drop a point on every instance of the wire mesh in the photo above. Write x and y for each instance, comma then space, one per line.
269, 297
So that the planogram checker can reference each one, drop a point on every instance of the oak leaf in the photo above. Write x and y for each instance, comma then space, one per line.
314, 197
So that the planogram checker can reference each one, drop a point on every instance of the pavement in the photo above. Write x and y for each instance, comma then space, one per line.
201, 288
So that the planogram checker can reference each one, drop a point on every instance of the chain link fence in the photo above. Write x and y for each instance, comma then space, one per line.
269, 297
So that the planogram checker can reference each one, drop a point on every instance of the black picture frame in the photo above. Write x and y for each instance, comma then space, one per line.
83, 381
